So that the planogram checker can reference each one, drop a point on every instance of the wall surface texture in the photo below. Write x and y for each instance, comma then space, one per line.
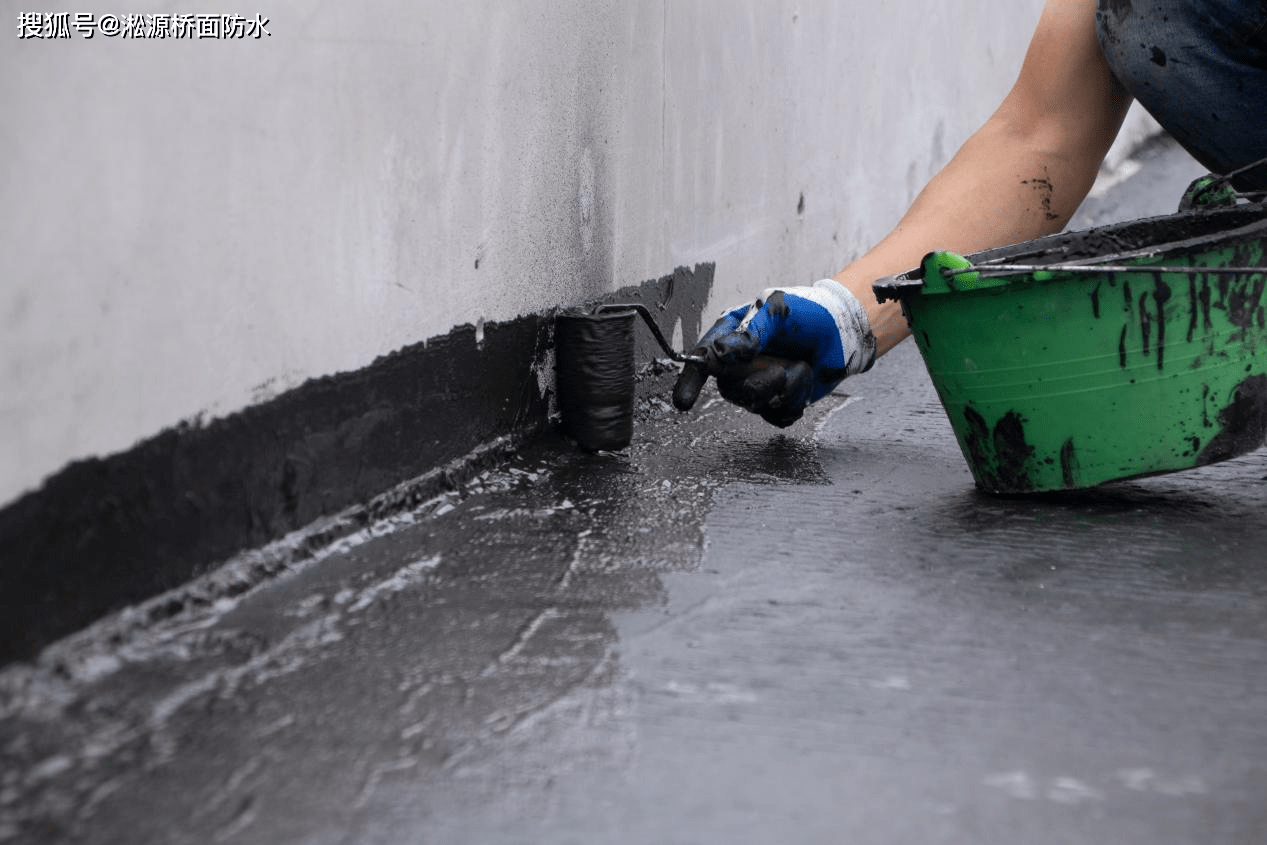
193, 226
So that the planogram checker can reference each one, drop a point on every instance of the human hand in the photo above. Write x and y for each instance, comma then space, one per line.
789, 348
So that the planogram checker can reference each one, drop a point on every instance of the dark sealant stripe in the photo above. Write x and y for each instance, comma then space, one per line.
1161, 295
104, 533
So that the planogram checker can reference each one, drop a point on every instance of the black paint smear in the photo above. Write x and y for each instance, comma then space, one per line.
778, 305
1095, 301
1012, 451
1068, 464
1159, 57
1121, 349
1243, 421
977, 439
1242, 298
107, 532
1193, 307
1204, 296
1126, 297
1145, 322
800, 205
1161, 294
1001, 459
1047, 190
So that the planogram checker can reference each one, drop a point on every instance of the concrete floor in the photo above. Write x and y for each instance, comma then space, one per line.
728, 634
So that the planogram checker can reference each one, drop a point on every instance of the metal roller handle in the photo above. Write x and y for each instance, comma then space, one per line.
993, 271
655, 330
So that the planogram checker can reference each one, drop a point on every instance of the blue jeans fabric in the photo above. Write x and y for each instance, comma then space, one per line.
1200, 68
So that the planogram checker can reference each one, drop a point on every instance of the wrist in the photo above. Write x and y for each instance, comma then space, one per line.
856, 337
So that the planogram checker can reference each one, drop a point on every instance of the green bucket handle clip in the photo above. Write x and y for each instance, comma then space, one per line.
1216, 191
946, 271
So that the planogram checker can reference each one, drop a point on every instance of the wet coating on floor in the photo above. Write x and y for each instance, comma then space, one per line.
723, 635
726, 634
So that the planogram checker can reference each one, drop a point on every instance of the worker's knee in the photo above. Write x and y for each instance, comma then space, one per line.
1200, 68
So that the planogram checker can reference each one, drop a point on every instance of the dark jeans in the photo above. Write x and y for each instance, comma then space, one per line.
1200, 68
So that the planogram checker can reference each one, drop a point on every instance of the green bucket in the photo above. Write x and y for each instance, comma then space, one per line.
1087, 357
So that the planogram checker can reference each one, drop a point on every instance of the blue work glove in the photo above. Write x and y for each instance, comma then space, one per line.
777, 355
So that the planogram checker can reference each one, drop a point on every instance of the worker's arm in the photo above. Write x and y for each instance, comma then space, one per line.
1021, 175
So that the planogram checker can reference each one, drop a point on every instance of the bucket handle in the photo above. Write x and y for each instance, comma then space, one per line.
1043, 272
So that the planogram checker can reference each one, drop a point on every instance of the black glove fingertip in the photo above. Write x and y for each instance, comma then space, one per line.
731, 349
782, 417
689, 384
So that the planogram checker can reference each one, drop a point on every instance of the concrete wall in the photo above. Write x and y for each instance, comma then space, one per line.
192, 226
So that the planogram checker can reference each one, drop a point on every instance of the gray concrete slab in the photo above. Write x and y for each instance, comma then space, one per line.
728, 634
1148, 184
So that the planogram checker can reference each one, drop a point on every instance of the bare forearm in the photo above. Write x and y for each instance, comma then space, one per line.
1022, 174
996, 191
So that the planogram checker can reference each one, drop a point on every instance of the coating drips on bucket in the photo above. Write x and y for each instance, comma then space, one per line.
1179, 306
595, 365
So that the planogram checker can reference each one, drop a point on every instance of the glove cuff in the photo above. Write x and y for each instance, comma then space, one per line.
853, 324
